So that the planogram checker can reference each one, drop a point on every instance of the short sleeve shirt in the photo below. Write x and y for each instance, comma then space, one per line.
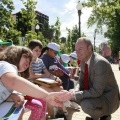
37, 66
4, 68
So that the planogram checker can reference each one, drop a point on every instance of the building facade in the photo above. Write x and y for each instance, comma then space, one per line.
41, 18
23, 28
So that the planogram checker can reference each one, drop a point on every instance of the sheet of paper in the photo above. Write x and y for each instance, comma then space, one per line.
4, 108
16, 114
47, 80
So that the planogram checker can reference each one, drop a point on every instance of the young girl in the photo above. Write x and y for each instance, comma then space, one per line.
50, 61
38, 70
16, 59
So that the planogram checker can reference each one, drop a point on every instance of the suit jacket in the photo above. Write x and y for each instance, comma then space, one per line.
102, 82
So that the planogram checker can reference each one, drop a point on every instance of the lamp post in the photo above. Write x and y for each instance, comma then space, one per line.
6, 28
37, 27
94, 37
79, 8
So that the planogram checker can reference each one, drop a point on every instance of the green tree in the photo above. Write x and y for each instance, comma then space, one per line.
48, 30
27, 17
63, 40
7, 22
69, 41
51, 32
33, 35
74, 36
6, 8
106, 12
57, 31
14, 35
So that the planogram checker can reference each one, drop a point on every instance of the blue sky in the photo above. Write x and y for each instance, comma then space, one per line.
67, 12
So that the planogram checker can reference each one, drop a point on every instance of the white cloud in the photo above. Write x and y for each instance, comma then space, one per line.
71, 13
72, 17
71, 5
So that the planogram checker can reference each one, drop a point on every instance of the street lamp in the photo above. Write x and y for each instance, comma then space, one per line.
6, 28
37, 29
94, 37
79, 8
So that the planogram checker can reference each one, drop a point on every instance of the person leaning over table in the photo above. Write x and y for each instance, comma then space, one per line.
99, 96
11, 63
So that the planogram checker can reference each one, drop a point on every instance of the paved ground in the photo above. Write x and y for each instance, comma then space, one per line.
80, 115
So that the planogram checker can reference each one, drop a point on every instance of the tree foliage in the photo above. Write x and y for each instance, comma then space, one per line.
74, 36
106, 12
57, 31
7, 22
48, 30
33, 35
6, 19
14, 35
27, 17
69, 41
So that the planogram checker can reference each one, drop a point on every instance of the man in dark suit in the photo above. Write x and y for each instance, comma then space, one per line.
99, 97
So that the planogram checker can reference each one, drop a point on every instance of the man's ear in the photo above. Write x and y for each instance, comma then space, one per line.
90, 48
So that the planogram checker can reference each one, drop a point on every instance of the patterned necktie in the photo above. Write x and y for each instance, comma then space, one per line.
86, 77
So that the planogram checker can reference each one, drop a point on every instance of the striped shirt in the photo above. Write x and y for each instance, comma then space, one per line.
37, 66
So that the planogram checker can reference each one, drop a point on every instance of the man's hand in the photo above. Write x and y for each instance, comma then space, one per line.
57, 98
76, 89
